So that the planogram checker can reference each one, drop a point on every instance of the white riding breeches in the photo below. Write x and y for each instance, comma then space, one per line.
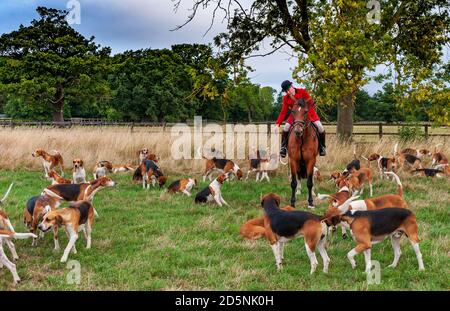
318, 124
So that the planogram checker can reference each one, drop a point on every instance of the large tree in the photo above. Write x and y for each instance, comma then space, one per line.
339, 42
49, 61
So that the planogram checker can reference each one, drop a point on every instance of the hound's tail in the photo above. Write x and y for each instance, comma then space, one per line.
399, 183
394, 152
395, 149
323, 196
6, 194
22, 236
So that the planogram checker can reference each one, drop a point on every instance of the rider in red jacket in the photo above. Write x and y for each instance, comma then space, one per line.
288, 102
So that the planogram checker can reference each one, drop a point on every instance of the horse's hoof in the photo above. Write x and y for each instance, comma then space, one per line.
344, 236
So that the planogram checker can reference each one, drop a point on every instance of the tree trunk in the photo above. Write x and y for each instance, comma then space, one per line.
58, 105
346, 108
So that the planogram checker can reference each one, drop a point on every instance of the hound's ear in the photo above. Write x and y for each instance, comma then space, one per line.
81, 162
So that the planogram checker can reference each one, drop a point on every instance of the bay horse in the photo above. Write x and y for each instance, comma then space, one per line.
302, 149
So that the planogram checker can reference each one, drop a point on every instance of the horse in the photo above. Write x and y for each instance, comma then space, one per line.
302, 149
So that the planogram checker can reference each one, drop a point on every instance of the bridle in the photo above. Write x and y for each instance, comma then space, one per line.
299, 123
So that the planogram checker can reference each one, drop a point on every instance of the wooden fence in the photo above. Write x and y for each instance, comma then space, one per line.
359, 128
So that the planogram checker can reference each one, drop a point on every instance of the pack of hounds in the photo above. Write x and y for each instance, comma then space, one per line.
369, 221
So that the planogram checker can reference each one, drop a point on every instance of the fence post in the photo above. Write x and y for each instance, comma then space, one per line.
380, 130
426, 130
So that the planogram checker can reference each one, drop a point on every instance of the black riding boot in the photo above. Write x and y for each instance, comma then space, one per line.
322, 149
284, 141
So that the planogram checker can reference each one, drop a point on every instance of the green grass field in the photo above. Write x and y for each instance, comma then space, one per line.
143, 243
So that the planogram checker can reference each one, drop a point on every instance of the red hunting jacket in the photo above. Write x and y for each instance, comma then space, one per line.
288, 102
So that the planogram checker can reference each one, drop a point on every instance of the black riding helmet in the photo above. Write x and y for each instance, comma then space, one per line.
286, 85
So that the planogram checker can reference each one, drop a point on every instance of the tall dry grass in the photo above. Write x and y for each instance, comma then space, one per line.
120, 146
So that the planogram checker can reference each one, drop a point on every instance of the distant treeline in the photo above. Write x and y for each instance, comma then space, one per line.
50, 71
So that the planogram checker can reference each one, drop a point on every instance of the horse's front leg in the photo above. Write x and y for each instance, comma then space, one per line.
310, 184
293, 188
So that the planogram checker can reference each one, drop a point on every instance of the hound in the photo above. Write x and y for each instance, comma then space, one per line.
282, 226
49, 161
149, 170
77, 192
78, 172
254, 228
100, 172
137, 175
122, 168
438, 157
355, 164
385, 201
372, 226
409, 160
260, 166
101, 168
384, 164
428, 172
56, 179
7, 232
143, 154
79, 216
444, 167
35, 209
183, 185
358, 178
223, 165
418, 153
212, 192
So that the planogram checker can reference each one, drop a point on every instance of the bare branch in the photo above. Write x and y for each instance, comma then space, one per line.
266, 54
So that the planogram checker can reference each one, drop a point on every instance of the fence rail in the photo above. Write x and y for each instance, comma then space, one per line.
378, 128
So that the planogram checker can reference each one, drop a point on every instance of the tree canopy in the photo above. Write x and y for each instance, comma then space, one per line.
338, 44
50, 71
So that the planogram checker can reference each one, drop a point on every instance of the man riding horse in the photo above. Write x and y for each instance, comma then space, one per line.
293, 94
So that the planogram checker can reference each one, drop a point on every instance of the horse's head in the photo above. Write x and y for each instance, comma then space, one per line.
299, 111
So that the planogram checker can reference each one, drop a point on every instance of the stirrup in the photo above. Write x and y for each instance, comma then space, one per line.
322, 151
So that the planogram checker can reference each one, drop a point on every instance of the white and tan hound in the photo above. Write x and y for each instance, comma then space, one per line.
213, 192
184, 185
35, 209
224, 166
78, 172
78, 217
7, 233
372, 226
49, 161
56, 179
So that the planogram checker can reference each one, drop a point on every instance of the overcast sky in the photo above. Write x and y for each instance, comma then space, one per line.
135, 24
